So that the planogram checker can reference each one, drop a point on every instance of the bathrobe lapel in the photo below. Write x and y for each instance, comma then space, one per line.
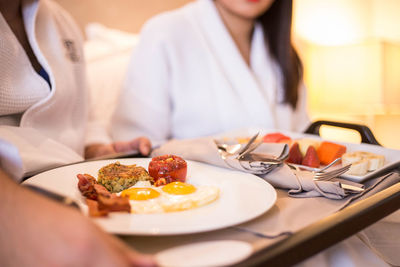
49, 40
238, 87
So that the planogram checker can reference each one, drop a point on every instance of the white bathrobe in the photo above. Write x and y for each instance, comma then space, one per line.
187, 78
51, 131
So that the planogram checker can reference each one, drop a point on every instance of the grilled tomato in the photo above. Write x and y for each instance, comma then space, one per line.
167, 169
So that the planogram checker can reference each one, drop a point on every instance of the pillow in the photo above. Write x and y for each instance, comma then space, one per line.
107, 53
102, 41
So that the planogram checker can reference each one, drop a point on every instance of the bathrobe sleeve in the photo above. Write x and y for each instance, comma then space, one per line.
10, 160
144, 106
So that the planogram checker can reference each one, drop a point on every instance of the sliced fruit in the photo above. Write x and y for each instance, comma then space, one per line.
295, 156
276, 138
359, 167
311, 158
305, 143
375, 161
328, 152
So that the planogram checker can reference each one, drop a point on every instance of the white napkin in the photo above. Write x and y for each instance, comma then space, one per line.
299, 184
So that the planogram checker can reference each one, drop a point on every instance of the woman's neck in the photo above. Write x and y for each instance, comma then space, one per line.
240, 28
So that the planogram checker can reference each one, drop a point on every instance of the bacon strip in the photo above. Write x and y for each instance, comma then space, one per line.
115, 203
94, 209
99, 200
86, 186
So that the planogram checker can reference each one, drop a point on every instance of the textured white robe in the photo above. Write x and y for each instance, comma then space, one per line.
52, 130
187, 78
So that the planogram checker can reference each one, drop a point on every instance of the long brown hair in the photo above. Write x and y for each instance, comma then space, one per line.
277, 25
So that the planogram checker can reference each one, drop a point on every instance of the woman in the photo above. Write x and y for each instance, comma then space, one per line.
43, 111
213, 66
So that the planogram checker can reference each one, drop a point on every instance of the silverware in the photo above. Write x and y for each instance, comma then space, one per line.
255, 163
52, 195
326, 176
351, 189
247, 147
230, 149
307, 168
261, 157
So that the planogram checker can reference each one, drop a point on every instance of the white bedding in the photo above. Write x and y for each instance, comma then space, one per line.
107, 53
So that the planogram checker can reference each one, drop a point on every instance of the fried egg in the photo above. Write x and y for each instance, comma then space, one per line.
176, 196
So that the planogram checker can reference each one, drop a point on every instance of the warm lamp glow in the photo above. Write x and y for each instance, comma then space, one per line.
346, 79
350, 50
332, 22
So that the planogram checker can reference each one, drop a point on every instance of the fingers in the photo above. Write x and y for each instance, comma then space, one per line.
122, 146
141, 260
142, 144
98, 150
132, 257
137, 259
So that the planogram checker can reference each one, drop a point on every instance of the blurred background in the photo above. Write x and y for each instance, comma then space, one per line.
350, 50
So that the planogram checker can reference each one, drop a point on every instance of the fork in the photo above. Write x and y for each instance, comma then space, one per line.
315, 169
238, 150
266, 158
248, 147
326, 176
230, 149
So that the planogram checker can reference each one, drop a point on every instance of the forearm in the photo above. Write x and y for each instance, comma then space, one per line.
34, 228
12, 217
9, 195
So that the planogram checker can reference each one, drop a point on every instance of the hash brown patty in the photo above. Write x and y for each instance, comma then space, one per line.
117, 177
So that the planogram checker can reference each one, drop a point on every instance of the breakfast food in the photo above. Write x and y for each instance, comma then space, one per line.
146, 195
328, 152
305, 143
100, 201
86, 186
295, 156
311, 158
167, 169
276, 138
175, 196
117, 177
362, 162
313, 153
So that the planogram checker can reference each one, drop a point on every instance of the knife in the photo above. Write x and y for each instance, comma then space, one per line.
52, 195
351, 188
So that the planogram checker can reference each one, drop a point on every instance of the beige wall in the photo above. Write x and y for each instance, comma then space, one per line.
127, 15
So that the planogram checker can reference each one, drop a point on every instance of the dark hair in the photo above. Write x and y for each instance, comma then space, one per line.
277, 24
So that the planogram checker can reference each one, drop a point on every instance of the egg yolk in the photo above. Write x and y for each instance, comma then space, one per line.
138, 193
179, 188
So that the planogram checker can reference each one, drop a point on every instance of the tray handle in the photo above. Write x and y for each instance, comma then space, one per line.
366, 134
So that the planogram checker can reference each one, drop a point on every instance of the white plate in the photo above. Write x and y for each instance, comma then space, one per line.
242, 197
392, 160
392, 156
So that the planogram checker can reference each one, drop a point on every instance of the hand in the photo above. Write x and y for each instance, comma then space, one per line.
142, 144
39, 232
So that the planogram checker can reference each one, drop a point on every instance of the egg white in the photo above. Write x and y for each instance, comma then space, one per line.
171, 203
